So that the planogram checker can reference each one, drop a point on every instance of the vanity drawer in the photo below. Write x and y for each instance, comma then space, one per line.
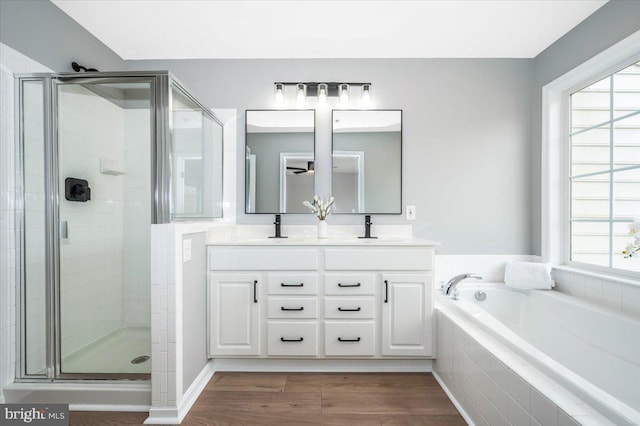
349, 307
349, 338
348, 284
261, 259
379, 259
292, 338
292, 307
292, 283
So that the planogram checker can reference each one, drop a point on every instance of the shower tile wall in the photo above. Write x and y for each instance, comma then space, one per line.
137, 221
92, 259
7, 232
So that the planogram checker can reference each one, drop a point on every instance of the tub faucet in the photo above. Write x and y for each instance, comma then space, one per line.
453, 282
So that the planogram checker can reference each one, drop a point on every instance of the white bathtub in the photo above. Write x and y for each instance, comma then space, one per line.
592, 353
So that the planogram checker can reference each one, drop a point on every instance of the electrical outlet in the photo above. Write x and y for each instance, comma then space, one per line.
411, 212
186, 250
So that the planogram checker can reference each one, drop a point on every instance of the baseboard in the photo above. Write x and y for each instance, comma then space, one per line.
109, 407
174, 416
324, 365
81, 396
453, 399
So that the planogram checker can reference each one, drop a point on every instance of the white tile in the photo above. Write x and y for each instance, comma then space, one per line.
612, 300
518, 389
631, 291
593, 295
543, 410
171, 386
631, 307
516, 414
566, 420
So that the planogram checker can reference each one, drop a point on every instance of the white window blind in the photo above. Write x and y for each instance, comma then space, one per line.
605, 169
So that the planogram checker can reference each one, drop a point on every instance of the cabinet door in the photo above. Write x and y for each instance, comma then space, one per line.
407, 309
234, 314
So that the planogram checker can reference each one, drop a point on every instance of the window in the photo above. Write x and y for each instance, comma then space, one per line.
605, 169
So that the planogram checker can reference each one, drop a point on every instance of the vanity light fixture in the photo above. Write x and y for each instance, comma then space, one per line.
301, 93
279, 87
323, 91
344, 93
366, 94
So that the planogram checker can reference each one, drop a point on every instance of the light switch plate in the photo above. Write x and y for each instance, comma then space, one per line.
411, 212
186, 250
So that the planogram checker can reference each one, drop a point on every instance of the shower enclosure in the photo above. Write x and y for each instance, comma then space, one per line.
102, 157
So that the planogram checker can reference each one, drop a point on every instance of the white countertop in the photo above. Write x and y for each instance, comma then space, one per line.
303, 235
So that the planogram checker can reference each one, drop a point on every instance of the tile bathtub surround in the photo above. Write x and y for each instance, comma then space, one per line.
492, 393
618, 294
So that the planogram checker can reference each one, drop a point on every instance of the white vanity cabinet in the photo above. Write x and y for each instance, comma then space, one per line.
407, 314
234, 323
318, 300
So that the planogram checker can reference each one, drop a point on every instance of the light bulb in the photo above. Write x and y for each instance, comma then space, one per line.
366, 94
279, 94
322, 94
344, 94
301, 94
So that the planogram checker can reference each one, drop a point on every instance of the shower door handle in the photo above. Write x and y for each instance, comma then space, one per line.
64, 230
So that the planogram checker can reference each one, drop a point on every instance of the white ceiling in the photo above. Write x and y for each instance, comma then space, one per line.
183, 29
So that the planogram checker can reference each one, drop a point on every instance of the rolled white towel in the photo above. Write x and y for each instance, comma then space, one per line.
529, 275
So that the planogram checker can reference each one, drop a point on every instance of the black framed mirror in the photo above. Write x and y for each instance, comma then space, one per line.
279, 160
367, 161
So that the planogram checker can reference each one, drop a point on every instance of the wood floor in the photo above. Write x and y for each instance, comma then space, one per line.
302, 399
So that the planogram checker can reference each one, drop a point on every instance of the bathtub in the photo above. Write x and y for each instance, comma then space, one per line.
588, 358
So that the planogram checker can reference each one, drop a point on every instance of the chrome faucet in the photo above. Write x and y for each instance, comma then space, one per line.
453, 282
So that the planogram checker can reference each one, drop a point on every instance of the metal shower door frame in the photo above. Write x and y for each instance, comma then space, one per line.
160, 170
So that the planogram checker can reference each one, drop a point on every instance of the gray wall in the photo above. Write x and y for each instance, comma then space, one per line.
194, 303
43, 32
608, 25
466, 137
382, 165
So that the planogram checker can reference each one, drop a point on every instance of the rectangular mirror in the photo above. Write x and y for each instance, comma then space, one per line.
367, 161
279, 160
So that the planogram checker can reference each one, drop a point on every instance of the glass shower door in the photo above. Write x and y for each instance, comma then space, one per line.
104, 136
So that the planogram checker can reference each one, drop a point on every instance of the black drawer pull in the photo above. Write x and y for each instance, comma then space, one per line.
386, 291
291, 285
301, 308
340, 339
282, 339
349, 309
349, 285
255, 294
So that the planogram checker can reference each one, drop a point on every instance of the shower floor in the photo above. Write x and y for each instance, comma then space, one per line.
113, 353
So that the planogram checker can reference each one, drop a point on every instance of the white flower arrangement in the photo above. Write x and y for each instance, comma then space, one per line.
633, 248
319, 207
